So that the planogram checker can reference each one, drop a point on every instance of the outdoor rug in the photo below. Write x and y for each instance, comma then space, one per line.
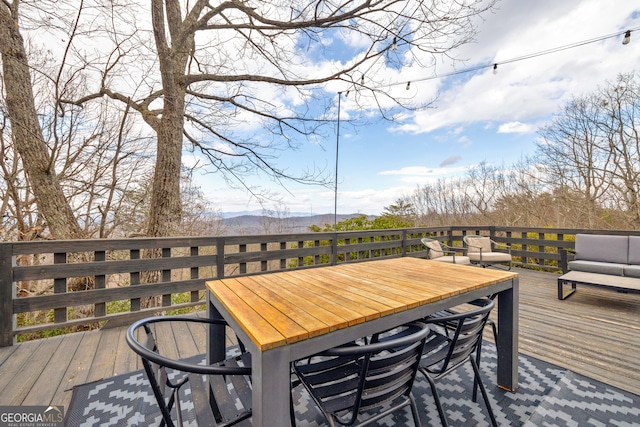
547, 396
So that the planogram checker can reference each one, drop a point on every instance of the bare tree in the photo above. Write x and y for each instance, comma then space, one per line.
77, 165
229, 77
570, 155
592, 149
26, 132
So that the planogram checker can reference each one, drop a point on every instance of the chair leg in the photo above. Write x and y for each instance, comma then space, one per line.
414, 411
436, 397
484, 392
495, 331
178, 407
479, 357
474, 397
292, 412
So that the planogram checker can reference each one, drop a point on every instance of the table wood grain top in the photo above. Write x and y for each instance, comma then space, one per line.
281, 308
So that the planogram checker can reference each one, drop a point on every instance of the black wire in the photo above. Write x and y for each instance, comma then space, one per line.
494, 64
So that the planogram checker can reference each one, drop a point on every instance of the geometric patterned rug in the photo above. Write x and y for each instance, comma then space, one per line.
547, 396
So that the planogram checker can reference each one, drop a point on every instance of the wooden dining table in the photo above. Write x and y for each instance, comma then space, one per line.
288, 315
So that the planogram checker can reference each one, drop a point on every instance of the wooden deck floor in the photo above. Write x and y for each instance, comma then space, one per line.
595, 332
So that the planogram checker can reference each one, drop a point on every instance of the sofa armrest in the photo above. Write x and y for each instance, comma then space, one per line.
564, 258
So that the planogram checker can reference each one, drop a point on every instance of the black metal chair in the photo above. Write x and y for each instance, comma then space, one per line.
214, 402
445, 352
353, 380
442, 317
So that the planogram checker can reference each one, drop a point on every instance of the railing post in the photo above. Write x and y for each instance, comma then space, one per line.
220, 258
166, 277
60, 286
7, 294
334, 249
195, 273
100, 309
134, 279
404, 242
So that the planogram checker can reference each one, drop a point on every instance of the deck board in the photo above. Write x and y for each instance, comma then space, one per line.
595, 332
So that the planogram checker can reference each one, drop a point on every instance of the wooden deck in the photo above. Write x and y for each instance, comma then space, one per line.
595, 332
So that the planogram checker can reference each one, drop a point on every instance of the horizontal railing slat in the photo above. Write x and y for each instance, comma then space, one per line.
94, 296
41, 272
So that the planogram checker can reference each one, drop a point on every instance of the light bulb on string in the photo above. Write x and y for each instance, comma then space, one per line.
394, 46
627, 37
408, 85
495, 68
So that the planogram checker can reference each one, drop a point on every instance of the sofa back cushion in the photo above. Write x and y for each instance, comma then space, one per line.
634, 250
602, 248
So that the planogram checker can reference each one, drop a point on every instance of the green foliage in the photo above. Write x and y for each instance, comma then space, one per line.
387, 221
363, 222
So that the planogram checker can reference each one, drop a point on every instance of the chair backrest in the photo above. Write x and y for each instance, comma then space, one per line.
165, 387
434, 249
477, 243
348, 380
469, 326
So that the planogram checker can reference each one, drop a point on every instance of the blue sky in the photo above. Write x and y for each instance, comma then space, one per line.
476, 117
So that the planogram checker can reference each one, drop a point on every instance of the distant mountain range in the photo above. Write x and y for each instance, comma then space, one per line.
256, 223
226, 215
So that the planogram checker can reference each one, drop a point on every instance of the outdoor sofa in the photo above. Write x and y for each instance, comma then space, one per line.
603, 260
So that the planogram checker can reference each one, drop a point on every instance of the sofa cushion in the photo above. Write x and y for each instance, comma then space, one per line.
634, 250
597, 267
602, 248
632, 271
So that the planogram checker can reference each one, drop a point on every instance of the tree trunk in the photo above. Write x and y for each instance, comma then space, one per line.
26, 131
165, 212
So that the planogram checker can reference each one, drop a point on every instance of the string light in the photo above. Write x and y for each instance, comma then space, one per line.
494, 66
394, 46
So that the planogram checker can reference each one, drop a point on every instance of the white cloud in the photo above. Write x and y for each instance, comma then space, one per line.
417, 175
526, 90
516, 127
465, 141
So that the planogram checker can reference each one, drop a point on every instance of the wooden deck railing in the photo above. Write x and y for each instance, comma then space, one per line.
55, 285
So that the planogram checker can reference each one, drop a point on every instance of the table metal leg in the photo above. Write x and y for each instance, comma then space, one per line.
507, 345
272, 392
216, 335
